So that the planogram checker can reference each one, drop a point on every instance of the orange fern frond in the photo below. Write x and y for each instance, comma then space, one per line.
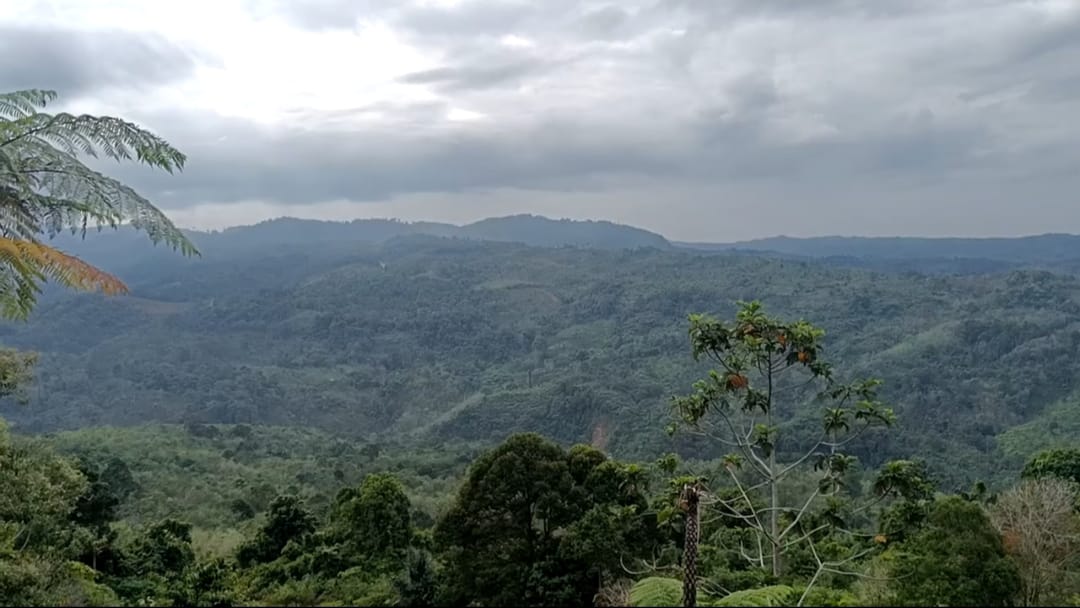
31, 259
77, 274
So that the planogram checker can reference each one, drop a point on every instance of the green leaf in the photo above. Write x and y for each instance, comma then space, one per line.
656, 591
774, 595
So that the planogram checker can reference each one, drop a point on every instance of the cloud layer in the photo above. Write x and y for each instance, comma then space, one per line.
700, 118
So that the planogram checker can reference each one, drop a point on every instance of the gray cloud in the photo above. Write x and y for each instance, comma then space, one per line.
79, 62
236, 161
473, 77
938, 109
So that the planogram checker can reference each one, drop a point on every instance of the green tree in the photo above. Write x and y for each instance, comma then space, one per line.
96, 507
95, 511
210, 583
40, 490
957, 559
16, 373
373, 521
526, 518
287, 520
417, 585
743, 403
164, 549
1060, 463
910, 480
45, 189
38, 539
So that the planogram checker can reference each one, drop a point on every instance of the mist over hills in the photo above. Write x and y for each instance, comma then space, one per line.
1038, 248
125, 250
911, 254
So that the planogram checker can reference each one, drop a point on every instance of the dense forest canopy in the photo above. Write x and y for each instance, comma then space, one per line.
433, 339
357, 424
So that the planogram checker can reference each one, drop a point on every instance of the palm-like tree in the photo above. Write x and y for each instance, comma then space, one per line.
45, 189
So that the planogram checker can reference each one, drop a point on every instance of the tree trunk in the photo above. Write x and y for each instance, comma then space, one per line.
774, 526
690, 550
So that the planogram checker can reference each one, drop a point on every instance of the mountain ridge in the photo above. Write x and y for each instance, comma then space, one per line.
127, 251
541, 231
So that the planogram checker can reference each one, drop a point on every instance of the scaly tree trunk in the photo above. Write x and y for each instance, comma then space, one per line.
691, 497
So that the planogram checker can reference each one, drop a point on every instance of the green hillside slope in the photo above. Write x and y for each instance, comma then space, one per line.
425, 338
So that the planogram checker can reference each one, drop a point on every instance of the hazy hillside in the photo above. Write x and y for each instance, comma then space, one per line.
426, 339
1046, 248
931, 256
311, 244
543, 232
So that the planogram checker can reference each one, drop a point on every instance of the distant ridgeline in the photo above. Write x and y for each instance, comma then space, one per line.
431, 332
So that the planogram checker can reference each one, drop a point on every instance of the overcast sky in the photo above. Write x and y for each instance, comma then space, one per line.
701, 119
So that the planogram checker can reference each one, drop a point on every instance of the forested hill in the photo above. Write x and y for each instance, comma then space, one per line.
114, 248
940, 256
948, 255
433, 339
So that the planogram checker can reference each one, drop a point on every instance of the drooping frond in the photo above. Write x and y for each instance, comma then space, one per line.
19, 104
656, 591
25, 264
115, 138
67, 194
45, 188
40, 167
773, 595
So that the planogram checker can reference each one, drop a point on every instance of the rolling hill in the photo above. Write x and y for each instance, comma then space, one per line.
426, 339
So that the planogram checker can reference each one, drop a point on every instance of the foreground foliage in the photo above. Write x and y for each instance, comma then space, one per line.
319, 520
530, 524
46, 188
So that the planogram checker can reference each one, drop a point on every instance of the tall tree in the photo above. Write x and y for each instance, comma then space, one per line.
1060, 463
287, 520
45, 188
38, 493
956, 559
742, 405
373, 521
534, 525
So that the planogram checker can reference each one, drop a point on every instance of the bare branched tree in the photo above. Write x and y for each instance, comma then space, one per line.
1040, 527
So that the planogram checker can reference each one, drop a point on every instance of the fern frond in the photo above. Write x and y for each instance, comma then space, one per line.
17, 219
46, 188
27, 264
115, 138
656, 591
69, 195
18, 104
39, 163
773, 595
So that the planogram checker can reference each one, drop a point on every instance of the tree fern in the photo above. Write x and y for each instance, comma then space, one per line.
773, 595
660, 591
45, 188
656, 591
